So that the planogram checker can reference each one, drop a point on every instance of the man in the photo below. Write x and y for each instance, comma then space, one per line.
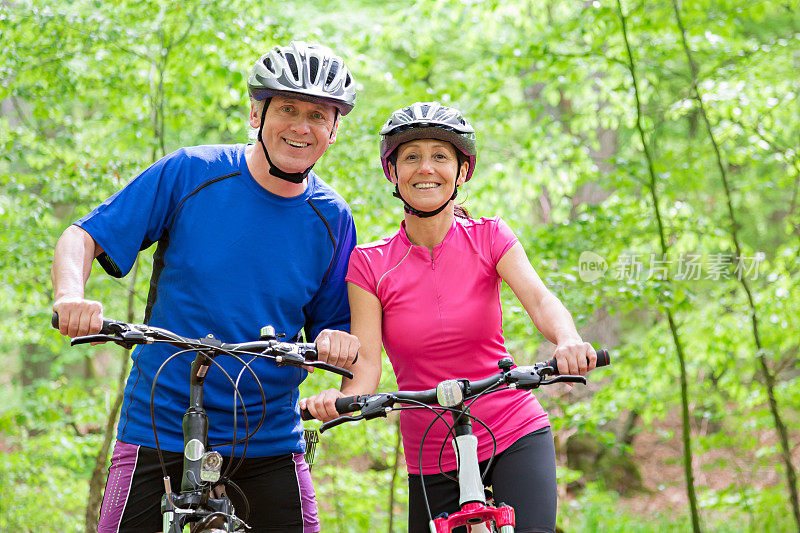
247, 236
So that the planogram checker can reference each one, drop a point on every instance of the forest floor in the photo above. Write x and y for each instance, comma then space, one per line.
658, 454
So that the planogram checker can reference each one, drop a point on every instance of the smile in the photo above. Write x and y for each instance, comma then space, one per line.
296, 144
426, 185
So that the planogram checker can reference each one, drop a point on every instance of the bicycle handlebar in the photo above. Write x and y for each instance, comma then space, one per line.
284, 353
452, 392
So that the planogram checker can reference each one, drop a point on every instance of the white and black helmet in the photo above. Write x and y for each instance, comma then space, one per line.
310, 72
428, 120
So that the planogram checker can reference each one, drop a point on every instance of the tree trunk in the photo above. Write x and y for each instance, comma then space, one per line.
35, 364
687, 438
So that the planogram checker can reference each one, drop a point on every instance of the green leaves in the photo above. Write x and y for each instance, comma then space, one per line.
92, 92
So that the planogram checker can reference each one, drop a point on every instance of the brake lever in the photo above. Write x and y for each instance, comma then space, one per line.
287, 358
337, 421
564, 378
86, 339
125, 338
294, 358
330, 368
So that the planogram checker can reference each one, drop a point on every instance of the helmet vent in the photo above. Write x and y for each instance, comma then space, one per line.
332, 72
292, 62
424, 109
313, 67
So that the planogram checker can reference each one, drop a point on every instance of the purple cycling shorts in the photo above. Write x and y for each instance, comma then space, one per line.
279, 491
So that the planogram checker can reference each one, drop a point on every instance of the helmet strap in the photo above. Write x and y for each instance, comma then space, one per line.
423, 214
292, 177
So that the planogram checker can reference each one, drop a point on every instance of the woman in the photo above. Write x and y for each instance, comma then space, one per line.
431, 295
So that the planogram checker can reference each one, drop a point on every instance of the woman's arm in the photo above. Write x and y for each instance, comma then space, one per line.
547, 312
366, 316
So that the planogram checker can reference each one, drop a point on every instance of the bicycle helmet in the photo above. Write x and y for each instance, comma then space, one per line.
309, 72
427, 120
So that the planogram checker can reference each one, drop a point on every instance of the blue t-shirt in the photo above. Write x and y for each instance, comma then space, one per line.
231, 258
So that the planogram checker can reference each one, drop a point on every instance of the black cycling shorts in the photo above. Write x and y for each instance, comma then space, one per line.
522, 476
279, 491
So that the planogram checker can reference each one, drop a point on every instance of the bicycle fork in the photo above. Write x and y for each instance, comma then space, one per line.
474, 513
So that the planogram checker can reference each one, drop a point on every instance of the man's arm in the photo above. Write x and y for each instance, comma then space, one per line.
328, 312
72, 264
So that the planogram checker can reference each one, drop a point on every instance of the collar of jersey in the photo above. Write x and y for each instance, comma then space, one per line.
405, 240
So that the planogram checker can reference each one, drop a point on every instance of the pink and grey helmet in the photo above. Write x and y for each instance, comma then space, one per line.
310, 72
428, 120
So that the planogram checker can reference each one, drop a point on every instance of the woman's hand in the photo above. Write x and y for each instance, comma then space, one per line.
575, 357
321, 405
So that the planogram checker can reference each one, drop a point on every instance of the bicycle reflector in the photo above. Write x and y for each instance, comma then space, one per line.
449, 393
211, 466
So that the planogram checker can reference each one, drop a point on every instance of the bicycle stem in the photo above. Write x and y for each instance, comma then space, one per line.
195, 425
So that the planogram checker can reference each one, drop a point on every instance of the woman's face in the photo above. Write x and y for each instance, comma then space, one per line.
427, 171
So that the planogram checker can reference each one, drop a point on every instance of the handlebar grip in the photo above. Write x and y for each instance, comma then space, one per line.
347, 404
310, 352
603, 359
103, 329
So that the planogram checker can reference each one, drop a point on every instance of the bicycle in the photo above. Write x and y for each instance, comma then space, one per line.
202, 503
456, 396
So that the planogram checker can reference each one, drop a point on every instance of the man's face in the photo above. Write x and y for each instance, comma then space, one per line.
296, 133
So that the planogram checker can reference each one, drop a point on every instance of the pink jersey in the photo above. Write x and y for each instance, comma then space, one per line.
442, 320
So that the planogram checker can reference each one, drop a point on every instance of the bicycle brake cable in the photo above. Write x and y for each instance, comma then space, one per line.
153, 409
231, 470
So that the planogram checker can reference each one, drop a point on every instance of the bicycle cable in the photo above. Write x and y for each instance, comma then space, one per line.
231, 469
438, 411
153, 409
153, 389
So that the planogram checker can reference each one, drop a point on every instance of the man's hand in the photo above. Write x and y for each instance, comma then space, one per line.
78, 317
337, 348
321, 406
575, 357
